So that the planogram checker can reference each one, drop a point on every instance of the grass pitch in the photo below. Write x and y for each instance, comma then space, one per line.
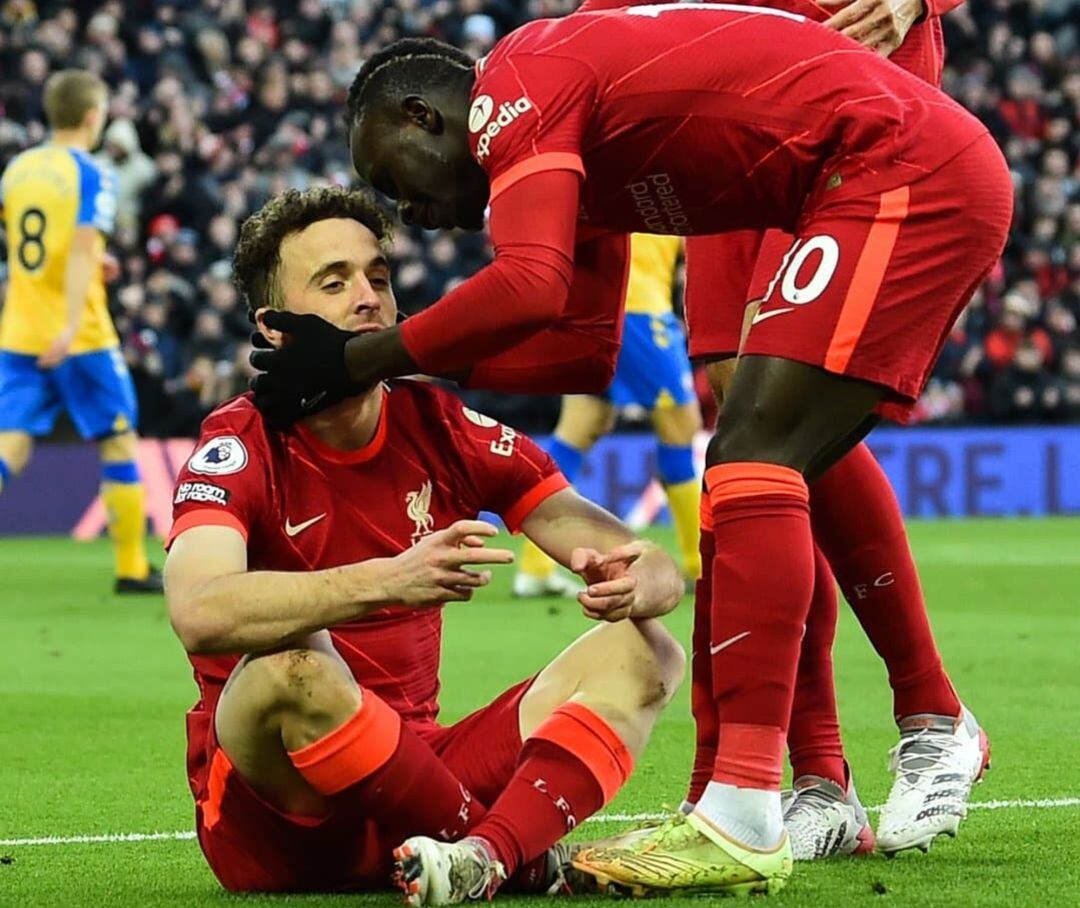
94, 689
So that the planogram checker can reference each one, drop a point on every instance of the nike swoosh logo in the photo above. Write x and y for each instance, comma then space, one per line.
713, 650
309, 403
765, 316
291, 530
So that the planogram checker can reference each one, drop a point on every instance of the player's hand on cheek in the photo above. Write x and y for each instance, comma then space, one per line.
880, 25
306, 373
437, 568
260, 341
280, 404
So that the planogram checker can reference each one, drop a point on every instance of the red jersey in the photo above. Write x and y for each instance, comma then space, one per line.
304, 506
672, 119
680, 123
922, 53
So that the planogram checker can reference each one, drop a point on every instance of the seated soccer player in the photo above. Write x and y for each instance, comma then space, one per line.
305, 578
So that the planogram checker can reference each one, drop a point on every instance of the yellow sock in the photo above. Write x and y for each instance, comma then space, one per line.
684, 499
536, 563
125, 504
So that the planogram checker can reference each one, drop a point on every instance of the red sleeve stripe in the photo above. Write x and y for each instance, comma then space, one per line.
548, 160
205, 517
527, 503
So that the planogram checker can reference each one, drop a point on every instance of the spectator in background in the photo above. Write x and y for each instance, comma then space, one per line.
1014, 330
1070, 384
1017, 67
216, 104
135, 171
1024, 390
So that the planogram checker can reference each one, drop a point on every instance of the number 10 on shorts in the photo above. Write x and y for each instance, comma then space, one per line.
799, 286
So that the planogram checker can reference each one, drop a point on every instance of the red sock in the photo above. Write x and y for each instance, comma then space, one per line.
763, 577
376, 762
701, 686
858, 524
569, 768
814, 743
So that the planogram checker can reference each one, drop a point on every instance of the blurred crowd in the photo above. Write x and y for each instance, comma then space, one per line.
218, 104
1015, 355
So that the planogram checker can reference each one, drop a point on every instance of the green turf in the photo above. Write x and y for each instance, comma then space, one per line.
94, 687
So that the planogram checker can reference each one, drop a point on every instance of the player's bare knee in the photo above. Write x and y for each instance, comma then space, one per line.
307, 688
644, 666
666, 665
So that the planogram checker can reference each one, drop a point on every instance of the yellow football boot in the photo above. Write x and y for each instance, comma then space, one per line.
686, 854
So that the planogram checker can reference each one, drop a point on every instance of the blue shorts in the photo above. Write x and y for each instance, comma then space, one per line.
653, 369
95, 389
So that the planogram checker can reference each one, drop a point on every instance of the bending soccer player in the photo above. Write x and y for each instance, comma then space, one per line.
58, 346
685, 119
306, 571
653, 372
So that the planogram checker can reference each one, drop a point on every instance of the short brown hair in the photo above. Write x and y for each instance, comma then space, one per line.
258, 252
70, 94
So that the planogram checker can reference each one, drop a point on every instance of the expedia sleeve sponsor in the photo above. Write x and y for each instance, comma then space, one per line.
482, 122
202, 492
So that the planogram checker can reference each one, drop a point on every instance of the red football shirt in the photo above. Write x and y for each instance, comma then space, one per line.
303, 506
700, 118
922, 53
672, 119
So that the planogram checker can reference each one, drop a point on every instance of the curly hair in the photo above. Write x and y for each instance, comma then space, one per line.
431, 55
258, 252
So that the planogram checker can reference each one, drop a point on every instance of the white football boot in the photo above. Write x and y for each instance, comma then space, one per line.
936, 762
555, 585
823, 820
431, 872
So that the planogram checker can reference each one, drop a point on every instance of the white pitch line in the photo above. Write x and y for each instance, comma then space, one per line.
1039, 803
184, 835
105, 839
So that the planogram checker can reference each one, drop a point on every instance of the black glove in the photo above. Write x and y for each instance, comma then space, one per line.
306, 375
280, 406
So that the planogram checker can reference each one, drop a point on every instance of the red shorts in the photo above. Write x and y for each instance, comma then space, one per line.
868, 287
718, 273
251, 846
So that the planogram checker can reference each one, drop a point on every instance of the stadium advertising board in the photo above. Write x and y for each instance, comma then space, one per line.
990, 472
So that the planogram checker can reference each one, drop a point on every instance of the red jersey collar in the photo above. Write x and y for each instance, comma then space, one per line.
356, 455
